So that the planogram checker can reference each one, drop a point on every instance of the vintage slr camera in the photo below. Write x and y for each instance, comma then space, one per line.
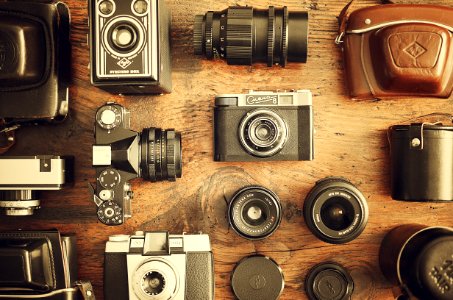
40, 265
34, 62
22, 177
130, 46
263, 126
121, 154
158, 265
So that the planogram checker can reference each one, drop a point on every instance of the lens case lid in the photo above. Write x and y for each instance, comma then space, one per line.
434, 268
254, 212
257, 277
329, 281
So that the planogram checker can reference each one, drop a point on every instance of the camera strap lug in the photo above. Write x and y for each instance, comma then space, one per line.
86, 289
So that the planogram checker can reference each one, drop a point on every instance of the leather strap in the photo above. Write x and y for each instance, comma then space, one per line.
343, 19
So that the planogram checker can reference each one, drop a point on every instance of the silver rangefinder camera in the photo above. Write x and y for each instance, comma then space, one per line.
159, 266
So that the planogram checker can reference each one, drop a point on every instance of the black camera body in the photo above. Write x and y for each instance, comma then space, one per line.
263, 126
40, 265
158, 265
121, 154
34, 61
130, 46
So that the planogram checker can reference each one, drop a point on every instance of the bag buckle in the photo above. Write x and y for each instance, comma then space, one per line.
339, 38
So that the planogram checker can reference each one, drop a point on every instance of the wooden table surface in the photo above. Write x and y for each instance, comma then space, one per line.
350, 141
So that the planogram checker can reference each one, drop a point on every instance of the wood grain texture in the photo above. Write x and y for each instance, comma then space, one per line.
350, 141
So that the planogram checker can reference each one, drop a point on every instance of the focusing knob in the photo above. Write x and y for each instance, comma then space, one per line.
108, 117
198, 35
209, 51
239, 36
110, 213
171, 155
109, 178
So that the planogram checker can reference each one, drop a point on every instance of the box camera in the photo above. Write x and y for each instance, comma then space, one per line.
22, 177
34, 61
40, 265
158, 265
263, 126
121, 154
130, 46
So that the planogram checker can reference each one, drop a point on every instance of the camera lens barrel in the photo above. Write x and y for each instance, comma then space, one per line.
254, 212
244, 35
161, 155
335, 210
418, 259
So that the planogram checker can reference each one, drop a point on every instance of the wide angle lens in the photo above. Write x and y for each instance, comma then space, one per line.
244, 35
161, 155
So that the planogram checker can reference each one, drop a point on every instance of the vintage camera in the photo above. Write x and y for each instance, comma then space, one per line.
121, 154
130, 46
22, 177
40, 265
158, 265
34, 61
263, 126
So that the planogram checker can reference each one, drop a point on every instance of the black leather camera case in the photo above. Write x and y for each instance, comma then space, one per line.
34, 61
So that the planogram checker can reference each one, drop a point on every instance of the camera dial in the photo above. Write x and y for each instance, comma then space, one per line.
109, 117
335, 210
263, 133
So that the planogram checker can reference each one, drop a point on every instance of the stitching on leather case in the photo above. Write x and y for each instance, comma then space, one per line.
363, 66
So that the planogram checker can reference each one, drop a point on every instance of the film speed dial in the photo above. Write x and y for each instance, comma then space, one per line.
109, 117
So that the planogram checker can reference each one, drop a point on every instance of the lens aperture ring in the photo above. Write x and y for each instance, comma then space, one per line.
284, 52
208, 35
239, 36
271, 37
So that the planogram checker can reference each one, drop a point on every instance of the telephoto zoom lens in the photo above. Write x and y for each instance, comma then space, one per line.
161, 156
254, 212
244, 35
335, 210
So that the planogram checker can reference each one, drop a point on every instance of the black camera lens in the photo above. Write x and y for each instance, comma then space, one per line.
335, 210
244, 35
124, 37
161, 156
153, 283
254, 212
263, 133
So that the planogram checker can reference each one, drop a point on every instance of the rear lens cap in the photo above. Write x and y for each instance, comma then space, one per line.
329, 281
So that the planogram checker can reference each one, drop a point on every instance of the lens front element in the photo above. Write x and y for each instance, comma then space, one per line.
263, 133
254, 212
335, 210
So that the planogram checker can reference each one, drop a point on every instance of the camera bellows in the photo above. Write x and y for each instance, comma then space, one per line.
244, 35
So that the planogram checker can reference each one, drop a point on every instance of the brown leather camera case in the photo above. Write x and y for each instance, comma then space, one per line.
396, 50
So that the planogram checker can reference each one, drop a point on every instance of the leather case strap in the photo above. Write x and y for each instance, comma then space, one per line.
343, 20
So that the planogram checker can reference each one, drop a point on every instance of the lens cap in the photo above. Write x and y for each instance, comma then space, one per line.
329, 281
257, 277
434, 269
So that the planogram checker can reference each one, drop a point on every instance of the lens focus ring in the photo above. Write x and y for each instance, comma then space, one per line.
239, 36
